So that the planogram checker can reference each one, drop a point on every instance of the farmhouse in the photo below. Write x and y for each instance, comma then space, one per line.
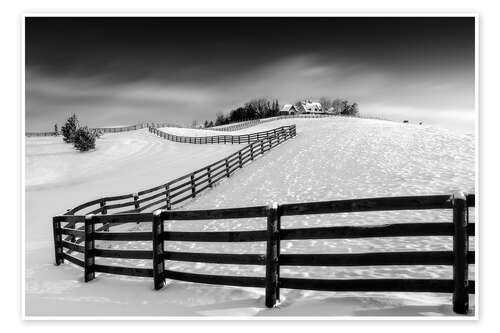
313, 107
288, 109
306, 106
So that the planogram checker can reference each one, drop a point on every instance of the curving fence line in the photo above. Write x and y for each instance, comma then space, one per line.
459, 228
134, 127
226, 128
188, 186
217, 139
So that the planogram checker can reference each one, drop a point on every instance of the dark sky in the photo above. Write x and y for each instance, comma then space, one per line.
114, 71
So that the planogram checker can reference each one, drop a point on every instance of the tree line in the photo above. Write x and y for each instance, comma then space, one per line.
264, 108
339, 106
254, 109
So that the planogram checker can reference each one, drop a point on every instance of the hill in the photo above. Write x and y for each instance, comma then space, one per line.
333, 158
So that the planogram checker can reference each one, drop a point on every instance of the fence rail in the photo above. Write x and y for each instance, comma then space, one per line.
116, 129
224, 139
33, 134
179, 190
135, 127
459, 228
255, 122
227, 128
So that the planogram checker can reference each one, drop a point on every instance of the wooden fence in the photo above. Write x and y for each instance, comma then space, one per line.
460, 229
226, 128
117, 129
179, 190
236, 127
217, 139
255, 122
134, 127
33, 134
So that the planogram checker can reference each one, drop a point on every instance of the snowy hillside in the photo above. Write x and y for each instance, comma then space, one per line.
340, 158
333, 158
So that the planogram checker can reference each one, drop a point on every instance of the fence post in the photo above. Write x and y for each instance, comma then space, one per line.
89, 245
136, 201
460, 249
104, 211
239, 159
251, 151
209, 175
272, 256
167, 194
227, 168
278, 251
158, 250
193, 187
58, 247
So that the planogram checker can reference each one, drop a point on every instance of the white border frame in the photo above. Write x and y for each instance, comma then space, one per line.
247, 14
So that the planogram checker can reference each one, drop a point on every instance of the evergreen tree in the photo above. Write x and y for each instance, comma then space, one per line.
69, 128
84, 138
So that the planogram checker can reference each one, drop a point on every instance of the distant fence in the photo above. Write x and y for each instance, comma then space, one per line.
133, 127
117, 129
237, 126
460, 286
245, 138
251, 123
32, 134
227, 128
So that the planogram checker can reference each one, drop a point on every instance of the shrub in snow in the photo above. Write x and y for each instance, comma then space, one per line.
69, 129
84, 138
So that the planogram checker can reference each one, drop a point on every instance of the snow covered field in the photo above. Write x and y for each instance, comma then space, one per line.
332, 158
195, 132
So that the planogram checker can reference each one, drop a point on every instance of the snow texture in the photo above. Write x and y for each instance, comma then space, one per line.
331, 158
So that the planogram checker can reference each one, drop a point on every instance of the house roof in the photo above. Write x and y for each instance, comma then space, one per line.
287, 107
312, 107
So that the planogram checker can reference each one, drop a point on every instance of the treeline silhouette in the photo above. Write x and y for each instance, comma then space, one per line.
264, 108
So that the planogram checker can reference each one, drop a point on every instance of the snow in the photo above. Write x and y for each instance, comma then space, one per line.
233, 124
272, 124
115, 126
331, 158
181, 131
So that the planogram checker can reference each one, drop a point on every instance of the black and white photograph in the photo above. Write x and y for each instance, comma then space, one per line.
250, 166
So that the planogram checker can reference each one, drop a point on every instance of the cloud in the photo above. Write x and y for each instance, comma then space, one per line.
438, 94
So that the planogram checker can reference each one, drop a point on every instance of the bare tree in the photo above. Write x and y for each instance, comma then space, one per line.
326, 103
337, 105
